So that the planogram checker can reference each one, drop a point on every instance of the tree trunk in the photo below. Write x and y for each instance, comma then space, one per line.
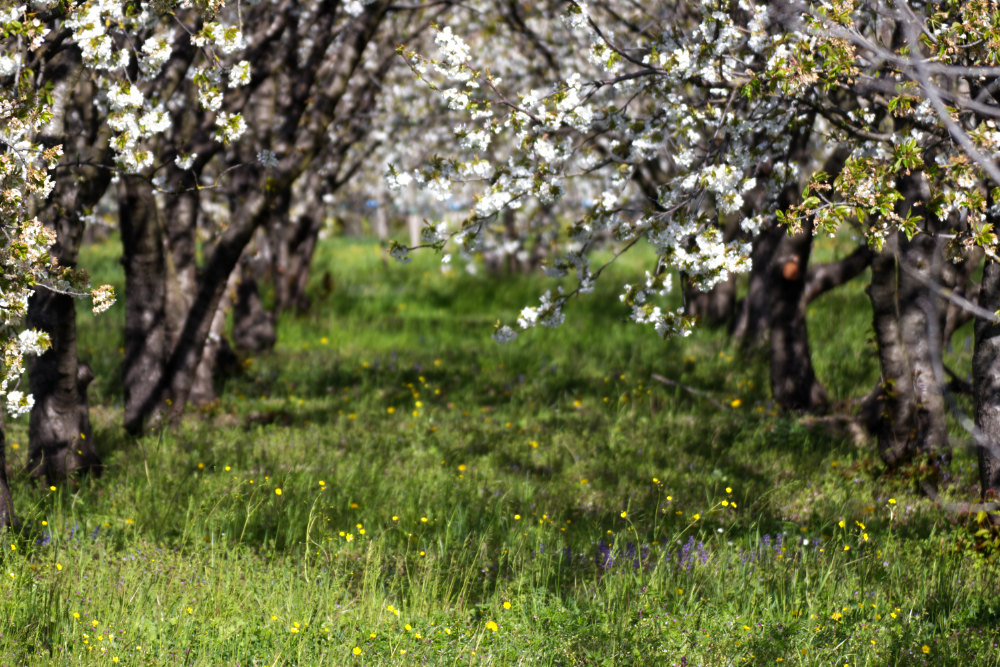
253, 325
750, 326
986, 383
59, 432
907, 413
793, 380
60, 438
217, 359
291, 273
713, 308
146, 278
6, 503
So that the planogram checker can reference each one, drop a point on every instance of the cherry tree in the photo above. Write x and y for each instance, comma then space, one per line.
26, 168
671, 123
153, 103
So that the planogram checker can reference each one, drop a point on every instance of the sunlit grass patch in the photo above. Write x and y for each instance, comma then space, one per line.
447, 500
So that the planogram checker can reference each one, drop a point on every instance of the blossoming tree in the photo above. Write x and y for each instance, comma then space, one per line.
27, 162
669, 123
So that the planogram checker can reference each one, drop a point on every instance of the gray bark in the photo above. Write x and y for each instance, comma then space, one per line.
146, 280
907, 412
986, 383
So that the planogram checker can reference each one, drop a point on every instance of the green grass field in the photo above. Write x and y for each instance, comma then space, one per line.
390, 486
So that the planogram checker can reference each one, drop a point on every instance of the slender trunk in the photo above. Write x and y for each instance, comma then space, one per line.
185, 356
6, 503
60, 438
986, 383
146, 278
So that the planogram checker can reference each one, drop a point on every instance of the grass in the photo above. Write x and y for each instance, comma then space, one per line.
446, 500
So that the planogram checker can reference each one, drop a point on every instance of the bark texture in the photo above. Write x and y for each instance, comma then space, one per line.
907, 412
59, 432
254, 328
793, 381
986, 383
146, 280
60, 438
751, 324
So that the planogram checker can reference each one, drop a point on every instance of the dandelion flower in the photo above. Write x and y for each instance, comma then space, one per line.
506, 605
491, 625
277, 491
925, 648
356, 650
624, 514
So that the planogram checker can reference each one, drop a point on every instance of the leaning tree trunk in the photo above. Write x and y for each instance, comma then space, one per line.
6, 503
907, 412
986, 383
